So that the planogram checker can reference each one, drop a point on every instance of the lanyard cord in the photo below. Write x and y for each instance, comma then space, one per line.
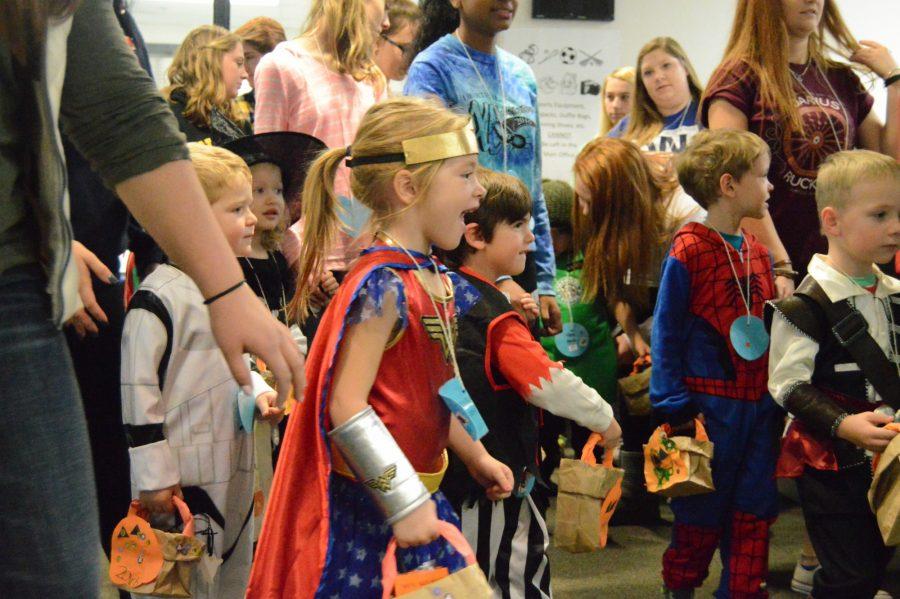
446, 325
259, 283
503, 131
737, 279
809, 97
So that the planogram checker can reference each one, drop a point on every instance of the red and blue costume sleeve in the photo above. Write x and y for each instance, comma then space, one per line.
669, 395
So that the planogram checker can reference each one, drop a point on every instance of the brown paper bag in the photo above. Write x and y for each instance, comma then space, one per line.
884, 494
636, 388
147, 561
678, 466
468, 583
588, 495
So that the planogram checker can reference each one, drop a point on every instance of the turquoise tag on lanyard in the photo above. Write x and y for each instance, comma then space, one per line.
460, 404
245, 411
749, 337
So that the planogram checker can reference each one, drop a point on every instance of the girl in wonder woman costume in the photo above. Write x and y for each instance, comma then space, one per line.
372, 416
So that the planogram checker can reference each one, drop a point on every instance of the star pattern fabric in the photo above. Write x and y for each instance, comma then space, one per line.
358, 546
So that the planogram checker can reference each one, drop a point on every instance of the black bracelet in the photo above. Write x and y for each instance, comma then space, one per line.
892, 79
207, 302
837, 422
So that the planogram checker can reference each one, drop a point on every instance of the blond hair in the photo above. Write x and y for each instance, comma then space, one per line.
759, 40
842, 170
383, 129
625, 74
711, 154
261, 33
646, 121
271, 240
196, 71
218, 169
350, 44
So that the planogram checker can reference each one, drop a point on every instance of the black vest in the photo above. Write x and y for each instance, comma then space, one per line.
512, 422
835, 370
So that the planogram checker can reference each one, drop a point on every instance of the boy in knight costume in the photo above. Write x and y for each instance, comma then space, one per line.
179, 397
363, 458
709, 353
834, 367
510, 378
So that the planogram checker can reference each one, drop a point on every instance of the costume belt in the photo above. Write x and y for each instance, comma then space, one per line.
431, 480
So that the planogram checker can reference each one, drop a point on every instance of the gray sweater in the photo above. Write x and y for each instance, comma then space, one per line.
93, 86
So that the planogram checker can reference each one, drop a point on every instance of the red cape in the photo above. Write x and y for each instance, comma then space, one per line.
294, 542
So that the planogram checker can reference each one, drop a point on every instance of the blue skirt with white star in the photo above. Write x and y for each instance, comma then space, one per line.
359, 538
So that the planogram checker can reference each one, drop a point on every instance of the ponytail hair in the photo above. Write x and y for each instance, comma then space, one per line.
438, 19
383, 129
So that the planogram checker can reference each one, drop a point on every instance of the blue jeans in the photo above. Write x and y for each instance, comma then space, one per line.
49, 546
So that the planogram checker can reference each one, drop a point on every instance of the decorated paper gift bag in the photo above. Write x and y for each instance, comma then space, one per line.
678, 466
438, 583
147, 561
884, 494
588, 496
636, 388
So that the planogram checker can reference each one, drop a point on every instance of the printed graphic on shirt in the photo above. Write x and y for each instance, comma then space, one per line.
672, 140
519, 127
825, 133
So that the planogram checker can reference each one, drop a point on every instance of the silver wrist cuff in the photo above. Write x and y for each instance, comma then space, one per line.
380, 465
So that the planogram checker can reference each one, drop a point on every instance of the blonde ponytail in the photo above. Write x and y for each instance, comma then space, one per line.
320, 222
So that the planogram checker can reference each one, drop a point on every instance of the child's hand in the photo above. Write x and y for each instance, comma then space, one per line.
612, 436
640, 347
526, 306
418, 528
866, 430
516, 295
324, 291
160, 502
493, 475
268, 408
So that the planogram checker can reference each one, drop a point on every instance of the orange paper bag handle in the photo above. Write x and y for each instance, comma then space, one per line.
699, 430
389, 563
587, 454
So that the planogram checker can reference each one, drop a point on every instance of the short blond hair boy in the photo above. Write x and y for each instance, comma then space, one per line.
711, 154
842, 170
218, 169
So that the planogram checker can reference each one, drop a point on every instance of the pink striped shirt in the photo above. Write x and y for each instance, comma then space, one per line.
295, 91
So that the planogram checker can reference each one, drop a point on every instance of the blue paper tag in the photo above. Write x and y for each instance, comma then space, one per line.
525, 485
462, 407
749, 337
573, 340
245, 411
354, 216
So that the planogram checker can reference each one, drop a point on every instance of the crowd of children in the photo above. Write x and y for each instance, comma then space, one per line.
464, 322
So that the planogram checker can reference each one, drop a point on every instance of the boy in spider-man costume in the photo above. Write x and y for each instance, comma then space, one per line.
716, 279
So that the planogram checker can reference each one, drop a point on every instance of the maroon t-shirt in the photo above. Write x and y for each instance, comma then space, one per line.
796, 157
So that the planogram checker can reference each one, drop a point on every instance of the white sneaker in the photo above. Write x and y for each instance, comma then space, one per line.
883, 595
802, 581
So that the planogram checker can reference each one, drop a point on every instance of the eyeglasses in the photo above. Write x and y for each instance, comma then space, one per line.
404, 48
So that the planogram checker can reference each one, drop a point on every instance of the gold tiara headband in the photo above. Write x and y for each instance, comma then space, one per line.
429, 148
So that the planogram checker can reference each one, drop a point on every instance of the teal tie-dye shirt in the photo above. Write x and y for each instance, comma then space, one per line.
444, 70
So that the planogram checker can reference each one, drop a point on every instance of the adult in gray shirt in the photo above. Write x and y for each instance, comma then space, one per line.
66, 62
